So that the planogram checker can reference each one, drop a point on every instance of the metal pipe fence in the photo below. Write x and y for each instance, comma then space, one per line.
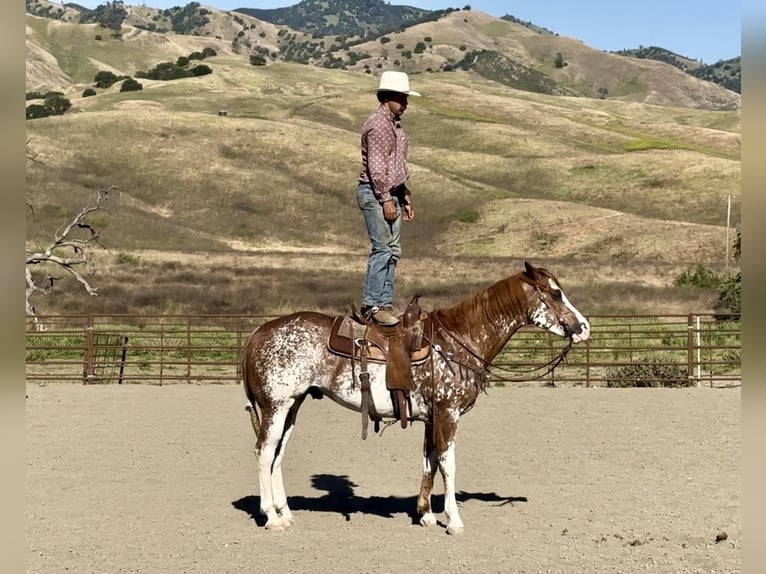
624, 350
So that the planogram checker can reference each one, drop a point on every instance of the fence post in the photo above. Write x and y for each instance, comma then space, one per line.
690, 347
552, 381
123, 358
162, 349
699, 354
188, 350
88, 369
239, 354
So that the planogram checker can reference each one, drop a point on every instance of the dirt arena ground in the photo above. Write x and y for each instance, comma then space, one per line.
151, 479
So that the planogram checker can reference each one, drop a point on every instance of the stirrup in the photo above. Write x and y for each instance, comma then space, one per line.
382, 317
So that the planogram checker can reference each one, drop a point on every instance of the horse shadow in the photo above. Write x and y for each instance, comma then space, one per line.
341, 499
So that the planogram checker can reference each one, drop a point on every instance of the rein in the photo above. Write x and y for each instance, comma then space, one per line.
487, 365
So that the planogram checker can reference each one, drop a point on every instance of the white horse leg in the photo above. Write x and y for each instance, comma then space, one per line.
430, 463
277, 484
447, 465
445, 431
272, 430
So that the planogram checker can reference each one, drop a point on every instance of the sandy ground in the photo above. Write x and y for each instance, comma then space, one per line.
144, 478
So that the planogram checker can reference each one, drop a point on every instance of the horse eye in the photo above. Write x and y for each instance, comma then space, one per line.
556, 293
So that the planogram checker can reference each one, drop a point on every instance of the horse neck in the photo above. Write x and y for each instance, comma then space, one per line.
486, 322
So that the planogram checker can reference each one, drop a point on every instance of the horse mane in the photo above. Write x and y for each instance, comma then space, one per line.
503, 299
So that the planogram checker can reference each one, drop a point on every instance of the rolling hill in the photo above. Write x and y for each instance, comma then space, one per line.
516, 54
253, 211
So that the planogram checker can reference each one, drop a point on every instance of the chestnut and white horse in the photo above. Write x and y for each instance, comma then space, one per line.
287, 359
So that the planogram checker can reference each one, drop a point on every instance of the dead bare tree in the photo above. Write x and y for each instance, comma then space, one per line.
31, 155
71, 251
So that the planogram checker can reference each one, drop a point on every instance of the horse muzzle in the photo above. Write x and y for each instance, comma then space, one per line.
580, 332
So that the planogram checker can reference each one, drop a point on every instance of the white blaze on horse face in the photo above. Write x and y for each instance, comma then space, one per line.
584, 332
545, 319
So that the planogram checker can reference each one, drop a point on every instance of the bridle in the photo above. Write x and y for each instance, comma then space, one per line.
482, 367
542, 297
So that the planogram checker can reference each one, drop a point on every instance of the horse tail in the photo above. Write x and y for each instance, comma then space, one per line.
254, 420
250, 405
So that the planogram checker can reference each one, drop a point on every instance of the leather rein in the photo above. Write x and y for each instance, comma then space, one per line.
482, 368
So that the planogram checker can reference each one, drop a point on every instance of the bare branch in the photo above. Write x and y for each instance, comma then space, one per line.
31, 155
71, 251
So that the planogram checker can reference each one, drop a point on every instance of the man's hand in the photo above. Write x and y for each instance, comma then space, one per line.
408, 211
389, 211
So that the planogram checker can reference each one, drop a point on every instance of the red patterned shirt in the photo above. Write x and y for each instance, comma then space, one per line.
384, 153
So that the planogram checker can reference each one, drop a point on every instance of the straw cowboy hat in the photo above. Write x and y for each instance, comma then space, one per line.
396, 82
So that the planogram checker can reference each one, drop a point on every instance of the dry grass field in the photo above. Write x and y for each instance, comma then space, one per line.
255, 211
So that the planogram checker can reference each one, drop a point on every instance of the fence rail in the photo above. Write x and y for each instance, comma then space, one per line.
625, 350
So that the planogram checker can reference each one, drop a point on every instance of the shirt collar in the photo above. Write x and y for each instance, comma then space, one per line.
388, 114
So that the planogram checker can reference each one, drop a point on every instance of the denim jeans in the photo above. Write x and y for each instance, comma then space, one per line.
385, 248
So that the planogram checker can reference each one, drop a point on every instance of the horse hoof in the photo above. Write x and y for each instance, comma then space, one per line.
277, 526
428, 520
455, 530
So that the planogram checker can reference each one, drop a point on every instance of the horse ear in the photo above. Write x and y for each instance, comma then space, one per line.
530, 271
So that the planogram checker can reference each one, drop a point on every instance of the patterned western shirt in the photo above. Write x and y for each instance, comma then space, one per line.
384, 153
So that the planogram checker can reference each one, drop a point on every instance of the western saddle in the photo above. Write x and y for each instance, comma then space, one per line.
398, 347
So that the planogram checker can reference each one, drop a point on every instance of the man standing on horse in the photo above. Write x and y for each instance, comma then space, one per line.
382, 194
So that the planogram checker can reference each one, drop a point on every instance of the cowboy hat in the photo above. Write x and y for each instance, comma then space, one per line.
396, 82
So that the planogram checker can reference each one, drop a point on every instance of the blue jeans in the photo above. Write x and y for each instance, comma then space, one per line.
378, 288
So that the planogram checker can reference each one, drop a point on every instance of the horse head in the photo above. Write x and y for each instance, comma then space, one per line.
550, 309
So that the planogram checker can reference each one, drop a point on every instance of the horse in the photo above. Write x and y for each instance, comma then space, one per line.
287, 359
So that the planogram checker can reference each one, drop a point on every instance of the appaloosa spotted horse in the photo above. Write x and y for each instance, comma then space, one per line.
287, 359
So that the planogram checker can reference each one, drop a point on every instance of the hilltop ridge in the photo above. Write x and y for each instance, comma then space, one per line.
507, 51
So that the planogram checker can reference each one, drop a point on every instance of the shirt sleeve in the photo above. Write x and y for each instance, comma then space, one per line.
380, 143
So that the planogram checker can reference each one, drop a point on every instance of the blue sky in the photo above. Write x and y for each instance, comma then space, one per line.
709, 30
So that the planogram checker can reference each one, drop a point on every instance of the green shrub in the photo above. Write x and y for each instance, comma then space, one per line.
700, 277
209, 52
654, 371
730, 294
105, 79
165, 71
57, 104
182, 61
37, 111
126, 258
467, 216
88, 92
730, 288
257, 60
201, 70
131, 85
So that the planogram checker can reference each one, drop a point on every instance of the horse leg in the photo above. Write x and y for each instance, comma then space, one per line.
430, 464
266, 450
445, 427
277, 484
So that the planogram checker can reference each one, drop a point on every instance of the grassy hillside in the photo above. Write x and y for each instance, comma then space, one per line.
255, 211
458, 41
